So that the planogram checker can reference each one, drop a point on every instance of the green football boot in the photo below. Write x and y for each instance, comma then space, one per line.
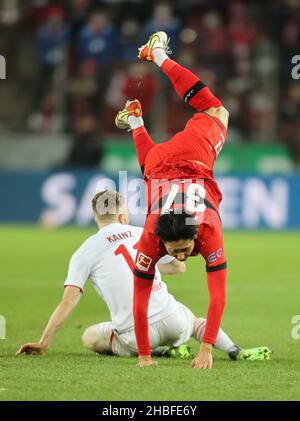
251, 354
181, 351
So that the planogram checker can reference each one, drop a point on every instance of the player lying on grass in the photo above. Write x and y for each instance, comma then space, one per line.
182, 196
107, 258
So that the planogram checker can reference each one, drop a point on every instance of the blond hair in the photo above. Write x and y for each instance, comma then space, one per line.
107, 204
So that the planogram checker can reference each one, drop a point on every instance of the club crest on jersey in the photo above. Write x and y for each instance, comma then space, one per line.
143, 262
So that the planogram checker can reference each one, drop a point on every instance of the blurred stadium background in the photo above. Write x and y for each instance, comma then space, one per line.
72, 64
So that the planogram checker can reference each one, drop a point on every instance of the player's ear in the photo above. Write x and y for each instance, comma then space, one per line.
125, 218
122, 218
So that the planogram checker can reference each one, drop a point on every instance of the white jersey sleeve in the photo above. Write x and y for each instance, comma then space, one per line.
78, 273
82, 263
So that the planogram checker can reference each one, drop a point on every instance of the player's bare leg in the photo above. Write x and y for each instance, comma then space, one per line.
100, 338
97, 338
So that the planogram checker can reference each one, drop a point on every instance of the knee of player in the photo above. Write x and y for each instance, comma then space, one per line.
89, 338
222, 112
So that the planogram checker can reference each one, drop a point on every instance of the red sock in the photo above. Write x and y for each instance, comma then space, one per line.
143, 144
189, 87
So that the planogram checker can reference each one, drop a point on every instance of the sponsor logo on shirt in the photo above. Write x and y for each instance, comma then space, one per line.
215, 255
143, 262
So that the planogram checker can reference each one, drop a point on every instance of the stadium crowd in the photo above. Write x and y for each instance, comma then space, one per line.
84, 64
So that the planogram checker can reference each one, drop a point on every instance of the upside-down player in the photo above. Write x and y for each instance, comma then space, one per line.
183, 197
107, 258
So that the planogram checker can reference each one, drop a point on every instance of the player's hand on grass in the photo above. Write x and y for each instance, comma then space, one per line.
145, 361
204, 358
31, 349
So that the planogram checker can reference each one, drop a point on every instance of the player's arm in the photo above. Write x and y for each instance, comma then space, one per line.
141, 296
70, 299
172, 268
216, 272
216, 281
144, 271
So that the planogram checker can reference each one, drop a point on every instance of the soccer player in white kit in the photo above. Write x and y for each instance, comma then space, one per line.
107, 258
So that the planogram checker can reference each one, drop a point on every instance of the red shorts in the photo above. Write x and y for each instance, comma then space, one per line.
201, 140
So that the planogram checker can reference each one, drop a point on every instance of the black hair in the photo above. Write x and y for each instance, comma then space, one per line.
173, 227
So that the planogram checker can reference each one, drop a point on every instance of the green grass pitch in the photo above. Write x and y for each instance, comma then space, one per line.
262, 297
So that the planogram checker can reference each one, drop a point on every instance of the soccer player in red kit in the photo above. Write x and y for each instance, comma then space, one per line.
182, 196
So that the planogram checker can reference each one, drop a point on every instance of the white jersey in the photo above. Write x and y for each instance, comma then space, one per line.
107, 258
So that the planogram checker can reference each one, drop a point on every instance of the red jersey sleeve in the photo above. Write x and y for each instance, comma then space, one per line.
149, 252
213, 252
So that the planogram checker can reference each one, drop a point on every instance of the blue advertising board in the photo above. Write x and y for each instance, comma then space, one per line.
249, 202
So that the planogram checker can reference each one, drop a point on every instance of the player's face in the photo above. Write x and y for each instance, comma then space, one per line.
180, 249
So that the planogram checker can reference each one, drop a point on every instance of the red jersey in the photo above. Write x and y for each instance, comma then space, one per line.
174, 182
199, 196
202, 140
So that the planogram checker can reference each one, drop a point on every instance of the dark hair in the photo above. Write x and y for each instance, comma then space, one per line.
174, 227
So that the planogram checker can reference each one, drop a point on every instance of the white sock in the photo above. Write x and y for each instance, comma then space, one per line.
159, 56
135, 122
223, 342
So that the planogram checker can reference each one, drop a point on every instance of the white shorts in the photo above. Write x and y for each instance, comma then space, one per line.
173, 329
